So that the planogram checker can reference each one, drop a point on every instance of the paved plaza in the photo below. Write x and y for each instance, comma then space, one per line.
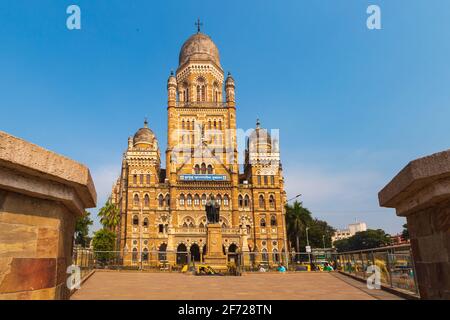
254, 286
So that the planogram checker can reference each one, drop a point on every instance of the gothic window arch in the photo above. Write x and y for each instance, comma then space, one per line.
210, 169
146, 201
203, 199
145, 223
219, 199
273, 221
226, 200
134, 255
196, 200
261, 201
197, 169
265, 180
135, 220
246, 201
167, 200
259, 180
240, 201
272, 201
203, 168
262, 223
136, 200
182, 199
272, 180
160, 200
189, 200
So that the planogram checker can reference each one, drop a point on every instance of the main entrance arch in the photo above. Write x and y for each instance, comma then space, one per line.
195, 252
182, 254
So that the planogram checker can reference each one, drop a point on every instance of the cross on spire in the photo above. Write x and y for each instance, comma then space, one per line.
198, 24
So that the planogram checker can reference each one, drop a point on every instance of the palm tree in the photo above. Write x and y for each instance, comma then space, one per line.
297, 219
109, 215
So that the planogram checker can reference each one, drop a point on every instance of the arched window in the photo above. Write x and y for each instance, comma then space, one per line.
145, 224
141, 179
167, 200
136, 200
226, 200
272, 201
259, 180
210, 169
197, 169
146, 200
246, 201
215, 124
134, 178
203, 168
272, 180
148, 178
203, 199
275, 255
135, 220
273, 221
240, 201
198, 93
264, 255
261, 201
161, 200
182, 199
265, 180
134, 256
219, 199
262, 222
189, 200
220, 124
145, 255
162, 255
201, 225
182, 124
196, 200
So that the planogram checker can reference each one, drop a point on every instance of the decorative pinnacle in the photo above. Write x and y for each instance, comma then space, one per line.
145, 123
258, 123
198, 24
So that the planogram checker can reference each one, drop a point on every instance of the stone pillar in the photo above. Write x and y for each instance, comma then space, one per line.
41, 196
421, 193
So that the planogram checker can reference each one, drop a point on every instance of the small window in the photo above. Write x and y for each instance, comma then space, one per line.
265, 180
226, 200
136, 200
272, 180
263, 222
182, 200
167, 200
145, 224
141, 179
196, 200
240, 201
160, 200
161, 228
272, 201
134, 178
135, 220
273, 221
197, 169
148, 179
203, 168
146, 200
259, 179
189, 200
210, 169
261, 201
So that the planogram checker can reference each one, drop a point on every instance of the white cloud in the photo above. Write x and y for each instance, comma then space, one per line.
340, 197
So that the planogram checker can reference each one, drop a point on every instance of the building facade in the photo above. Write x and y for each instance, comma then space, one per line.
352, 229
163, 208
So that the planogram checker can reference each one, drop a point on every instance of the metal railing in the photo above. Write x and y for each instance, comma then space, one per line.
395, 264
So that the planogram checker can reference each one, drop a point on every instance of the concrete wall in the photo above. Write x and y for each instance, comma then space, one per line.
421, 193
41, 195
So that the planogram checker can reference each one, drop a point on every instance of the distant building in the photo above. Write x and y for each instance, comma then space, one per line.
398, 239
352, 229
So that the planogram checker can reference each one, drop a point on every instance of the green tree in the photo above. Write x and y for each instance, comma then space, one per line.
363, 240
319, 232
104, 243
405, 232
82, 229
297, 219
109, 215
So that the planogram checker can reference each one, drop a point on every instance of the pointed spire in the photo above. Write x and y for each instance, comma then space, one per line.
171, 72
145, 123
199, 25
258, 123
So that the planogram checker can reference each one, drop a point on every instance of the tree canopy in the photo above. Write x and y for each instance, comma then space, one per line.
298, 218
109, 215
363, 240
82, 229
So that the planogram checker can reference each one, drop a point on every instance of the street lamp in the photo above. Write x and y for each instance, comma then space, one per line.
307, 244
285, 232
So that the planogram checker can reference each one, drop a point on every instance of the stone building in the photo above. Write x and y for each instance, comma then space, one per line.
163, 208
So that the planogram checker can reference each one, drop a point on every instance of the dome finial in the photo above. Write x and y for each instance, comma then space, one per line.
258, 123
145, 122
199, 25
171, 72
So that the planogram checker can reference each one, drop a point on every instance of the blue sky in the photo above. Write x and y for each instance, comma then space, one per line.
353, 106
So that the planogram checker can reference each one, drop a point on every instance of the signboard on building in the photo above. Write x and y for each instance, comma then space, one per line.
308, 249
203, 177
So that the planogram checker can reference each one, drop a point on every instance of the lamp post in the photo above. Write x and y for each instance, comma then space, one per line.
285, 231
307, 244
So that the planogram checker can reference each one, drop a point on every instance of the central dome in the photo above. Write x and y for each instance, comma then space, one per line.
199, 47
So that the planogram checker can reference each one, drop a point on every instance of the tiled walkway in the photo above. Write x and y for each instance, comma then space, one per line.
255, 286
